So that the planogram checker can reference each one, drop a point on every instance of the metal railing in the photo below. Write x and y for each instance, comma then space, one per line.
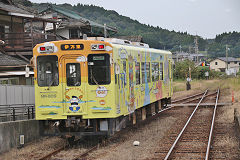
15, 112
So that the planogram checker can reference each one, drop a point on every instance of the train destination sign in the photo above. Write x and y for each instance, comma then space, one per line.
67, 47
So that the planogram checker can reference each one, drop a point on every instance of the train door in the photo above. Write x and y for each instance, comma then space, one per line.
74, 96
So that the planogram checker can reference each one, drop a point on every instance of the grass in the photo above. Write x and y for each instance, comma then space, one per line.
179, 85
230, 83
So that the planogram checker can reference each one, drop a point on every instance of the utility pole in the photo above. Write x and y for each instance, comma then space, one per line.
227, 55
105, 30
196, 46
180, 48
189, 49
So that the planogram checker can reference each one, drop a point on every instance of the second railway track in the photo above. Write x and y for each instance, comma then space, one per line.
193, 141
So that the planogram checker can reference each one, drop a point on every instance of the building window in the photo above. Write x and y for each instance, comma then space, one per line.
73, 33
137, 69
216, 63
228, 62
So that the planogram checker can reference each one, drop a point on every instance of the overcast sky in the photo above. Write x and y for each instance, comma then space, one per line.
203, 17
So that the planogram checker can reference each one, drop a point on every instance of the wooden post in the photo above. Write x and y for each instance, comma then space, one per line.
153, 108
12, 36
159, 105
134, 118
95, 125
44, 31
32, 32
54, 30
144, 113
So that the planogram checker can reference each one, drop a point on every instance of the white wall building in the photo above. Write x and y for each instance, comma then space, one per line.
228, 65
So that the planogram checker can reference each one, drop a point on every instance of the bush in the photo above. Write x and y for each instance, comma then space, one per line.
181, 71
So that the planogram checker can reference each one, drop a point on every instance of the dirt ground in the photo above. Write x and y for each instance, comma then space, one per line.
149, 135
34, 150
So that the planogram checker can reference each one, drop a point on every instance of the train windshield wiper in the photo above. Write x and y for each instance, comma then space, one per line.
92, 77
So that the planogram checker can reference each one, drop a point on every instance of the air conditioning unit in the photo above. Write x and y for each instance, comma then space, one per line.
144, 45
118, 41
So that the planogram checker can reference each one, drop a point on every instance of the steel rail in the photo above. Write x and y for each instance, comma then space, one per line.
210, 94
212, 126
86, 153
52, 153
180, 134
185, 98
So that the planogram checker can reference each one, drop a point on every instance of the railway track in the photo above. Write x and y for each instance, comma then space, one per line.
144, 122
193, 141
189, 99
106, 141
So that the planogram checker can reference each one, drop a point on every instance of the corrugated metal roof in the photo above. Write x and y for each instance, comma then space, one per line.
6, 60
12, 8
230, 59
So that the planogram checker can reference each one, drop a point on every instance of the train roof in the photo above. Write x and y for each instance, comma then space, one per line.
131, 47
118, 43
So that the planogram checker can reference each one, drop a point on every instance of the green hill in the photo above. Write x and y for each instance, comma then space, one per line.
156, 37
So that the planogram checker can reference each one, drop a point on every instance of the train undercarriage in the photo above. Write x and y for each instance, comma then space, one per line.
76, 126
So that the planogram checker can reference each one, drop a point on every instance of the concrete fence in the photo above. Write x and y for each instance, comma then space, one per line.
16, 94
15, 101
10, 133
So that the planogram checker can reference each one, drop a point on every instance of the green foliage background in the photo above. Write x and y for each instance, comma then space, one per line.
156, 37
181, 71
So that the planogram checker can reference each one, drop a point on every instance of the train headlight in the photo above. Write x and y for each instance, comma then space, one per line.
46, 49
98, 47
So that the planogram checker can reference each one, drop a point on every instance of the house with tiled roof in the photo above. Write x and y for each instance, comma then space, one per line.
71, 25
17, 39
229, 65
17, 30
13, 70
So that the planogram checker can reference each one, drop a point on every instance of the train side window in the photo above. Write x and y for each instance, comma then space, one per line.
148, 72
73, 74
124, 67
99, 72
137, 72
155, 71
116, 82
125, 72
143, 72
161, 71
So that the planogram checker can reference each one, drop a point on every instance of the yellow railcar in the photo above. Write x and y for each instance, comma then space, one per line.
93, 85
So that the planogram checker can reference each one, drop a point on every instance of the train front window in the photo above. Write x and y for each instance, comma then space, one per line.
99, 69
73, 73
47, 71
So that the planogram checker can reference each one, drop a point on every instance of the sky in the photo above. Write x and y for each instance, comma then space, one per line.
206, 18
